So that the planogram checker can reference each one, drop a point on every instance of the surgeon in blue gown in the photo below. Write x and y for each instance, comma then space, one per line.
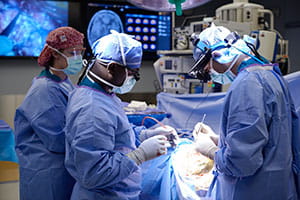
100, 143
40, 119
255, 149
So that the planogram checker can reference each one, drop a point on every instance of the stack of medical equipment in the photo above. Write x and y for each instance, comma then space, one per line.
241, 16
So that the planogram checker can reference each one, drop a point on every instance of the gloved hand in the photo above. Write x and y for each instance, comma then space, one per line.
201, 128
205, 145
149, 149
166, 131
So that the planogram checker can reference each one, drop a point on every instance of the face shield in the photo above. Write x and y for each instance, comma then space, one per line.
74, 52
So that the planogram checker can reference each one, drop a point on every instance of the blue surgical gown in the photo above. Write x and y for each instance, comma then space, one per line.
255, 156
98, 135
40, 139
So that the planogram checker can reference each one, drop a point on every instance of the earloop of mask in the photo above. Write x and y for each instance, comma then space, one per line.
90, 78
54, 49
89, 65
235, 58
229, 68
100, 79
104, 81
233, 62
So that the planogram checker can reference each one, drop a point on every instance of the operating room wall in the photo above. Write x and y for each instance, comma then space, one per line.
16, 76
292, 31
287, 22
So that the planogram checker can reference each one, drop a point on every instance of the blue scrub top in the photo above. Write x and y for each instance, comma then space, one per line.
40, 139
255, 156
98, 135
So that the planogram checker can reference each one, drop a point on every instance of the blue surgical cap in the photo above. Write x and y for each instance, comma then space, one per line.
213, 37
119, 48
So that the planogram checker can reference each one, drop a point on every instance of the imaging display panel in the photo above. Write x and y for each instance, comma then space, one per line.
24, 25
152, 29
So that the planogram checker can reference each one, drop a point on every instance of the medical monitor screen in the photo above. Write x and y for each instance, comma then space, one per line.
152, 29
25, 24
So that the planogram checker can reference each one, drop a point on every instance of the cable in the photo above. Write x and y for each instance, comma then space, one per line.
201, 102
148, 117
157, 87
86, 67
253, 49
280, 36
191, 17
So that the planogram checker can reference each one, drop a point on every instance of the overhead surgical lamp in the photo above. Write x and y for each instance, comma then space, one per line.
168, 5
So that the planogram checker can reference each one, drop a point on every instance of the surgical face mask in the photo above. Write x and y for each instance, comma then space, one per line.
74, 63
223, 78
126, 87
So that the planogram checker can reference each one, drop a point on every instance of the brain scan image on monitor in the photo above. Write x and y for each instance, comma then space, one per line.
101, 23
152, 29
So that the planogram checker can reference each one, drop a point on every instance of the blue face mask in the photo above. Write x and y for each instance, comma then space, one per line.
126, 87
74, 63
223, 78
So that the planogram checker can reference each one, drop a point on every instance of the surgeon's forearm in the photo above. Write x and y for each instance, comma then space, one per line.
211, 152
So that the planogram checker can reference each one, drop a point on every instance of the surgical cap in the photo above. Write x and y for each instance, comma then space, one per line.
60, 38
215, 35
120, 48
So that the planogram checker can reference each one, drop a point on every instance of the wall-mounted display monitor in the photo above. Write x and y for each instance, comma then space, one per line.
25, 24
152, 29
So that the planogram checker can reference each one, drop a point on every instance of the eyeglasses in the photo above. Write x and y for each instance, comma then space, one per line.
131, 72
134, 72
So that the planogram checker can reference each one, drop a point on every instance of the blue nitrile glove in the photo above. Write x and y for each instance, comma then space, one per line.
149, 149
